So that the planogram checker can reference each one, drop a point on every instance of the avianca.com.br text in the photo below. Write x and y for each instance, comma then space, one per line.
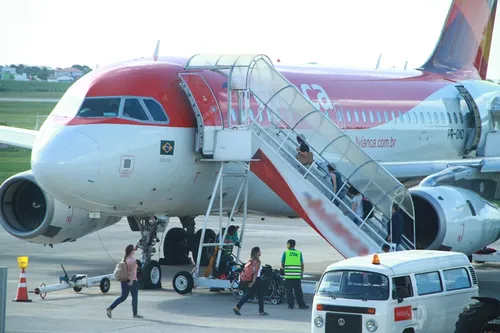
376, 142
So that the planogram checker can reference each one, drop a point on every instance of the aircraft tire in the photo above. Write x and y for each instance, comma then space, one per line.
150, 275
183, 283
206, 252
475, 316
175, 249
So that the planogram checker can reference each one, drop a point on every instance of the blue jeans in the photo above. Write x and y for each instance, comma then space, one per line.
255, 289
134, 290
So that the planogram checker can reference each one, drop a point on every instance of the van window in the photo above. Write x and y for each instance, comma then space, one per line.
98, 107
354, 285
401, 287
456, 279
428, 283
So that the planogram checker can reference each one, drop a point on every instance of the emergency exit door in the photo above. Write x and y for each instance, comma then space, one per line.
206, 110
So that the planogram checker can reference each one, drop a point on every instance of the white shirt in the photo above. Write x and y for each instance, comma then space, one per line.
260, 269
359, 207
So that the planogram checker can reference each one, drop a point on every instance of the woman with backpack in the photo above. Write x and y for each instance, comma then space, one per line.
251, 276
131, 284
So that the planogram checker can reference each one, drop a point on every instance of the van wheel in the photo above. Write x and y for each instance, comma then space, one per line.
475, 316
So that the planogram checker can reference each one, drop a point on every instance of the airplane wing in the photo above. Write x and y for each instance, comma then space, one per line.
18, 137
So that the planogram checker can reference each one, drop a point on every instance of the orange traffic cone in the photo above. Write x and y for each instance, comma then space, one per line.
22, 289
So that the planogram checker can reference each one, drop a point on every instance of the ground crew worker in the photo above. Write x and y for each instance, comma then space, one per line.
293, 264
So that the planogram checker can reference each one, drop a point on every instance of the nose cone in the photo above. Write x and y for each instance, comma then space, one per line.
66, 164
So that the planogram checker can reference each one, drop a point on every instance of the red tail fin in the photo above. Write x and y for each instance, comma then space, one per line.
465, 41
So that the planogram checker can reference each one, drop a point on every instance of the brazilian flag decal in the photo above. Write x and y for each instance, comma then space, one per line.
167, 147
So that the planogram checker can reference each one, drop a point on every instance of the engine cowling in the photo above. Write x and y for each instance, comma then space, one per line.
454, 219
28, 213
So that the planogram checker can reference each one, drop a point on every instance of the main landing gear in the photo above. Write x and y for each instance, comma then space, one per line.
177, 244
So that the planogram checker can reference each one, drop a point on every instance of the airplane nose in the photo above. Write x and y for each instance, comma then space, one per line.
66, 164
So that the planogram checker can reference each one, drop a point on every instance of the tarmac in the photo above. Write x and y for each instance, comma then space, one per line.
164, 310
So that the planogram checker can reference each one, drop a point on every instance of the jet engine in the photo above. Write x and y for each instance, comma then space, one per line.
28, 213
453, 219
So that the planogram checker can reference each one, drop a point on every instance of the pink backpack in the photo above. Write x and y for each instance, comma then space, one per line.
247, 272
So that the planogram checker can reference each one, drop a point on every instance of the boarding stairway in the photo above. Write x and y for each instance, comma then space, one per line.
306, 189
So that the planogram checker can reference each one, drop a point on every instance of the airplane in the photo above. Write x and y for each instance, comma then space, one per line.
135, 138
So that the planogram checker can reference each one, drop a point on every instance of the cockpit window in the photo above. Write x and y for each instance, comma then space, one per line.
133, 109
156, 110
99, 107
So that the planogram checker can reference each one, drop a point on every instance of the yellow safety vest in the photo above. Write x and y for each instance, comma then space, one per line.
293, 266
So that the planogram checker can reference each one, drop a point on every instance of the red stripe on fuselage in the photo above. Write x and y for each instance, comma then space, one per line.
352, 89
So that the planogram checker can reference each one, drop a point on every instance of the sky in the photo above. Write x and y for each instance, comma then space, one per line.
60, 33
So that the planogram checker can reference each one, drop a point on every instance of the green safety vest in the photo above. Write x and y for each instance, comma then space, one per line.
293, 266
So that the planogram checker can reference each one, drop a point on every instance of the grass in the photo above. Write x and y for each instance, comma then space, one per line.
12, 161
11, 86
19, 114
24, 114
30, 94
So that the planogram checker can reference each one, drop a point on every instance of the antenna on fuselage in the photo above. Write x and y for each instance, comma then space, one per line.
378, 61
157, 49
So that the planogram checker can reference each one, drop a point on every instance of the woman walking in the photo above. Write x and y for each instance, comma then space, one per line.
131, 285
255, 285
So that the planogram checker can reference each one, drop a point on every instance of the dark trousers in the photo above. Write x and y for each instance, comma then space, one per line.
134, 290
257, 288
294, 286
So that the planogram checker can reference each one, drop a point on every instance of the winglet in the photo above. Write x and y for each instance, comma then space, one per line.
157, 49
465, 41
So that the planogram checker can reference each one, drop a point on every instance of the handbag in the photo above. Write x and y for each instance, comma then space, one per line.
305, 159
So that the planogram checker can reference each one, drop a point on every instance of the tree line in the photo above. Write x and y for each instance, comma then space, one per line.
43, 73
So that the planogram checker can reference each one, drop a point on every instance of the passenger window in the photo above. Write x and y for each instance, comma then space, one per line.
429, 119
348, 114
461, 118
449, 118
133, 109
386, 117
400, 115
379, 118
422, 120
372, 119
442, 117
455, 118
356, 117
364, 116
401, 287
393, 116
436, 120
428, 283
99, 107
339, 116
408, 118
156, 110
414, 116
456, 279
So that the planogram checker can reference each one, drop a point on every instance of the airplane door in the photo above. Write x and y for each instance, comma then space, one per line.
206, 110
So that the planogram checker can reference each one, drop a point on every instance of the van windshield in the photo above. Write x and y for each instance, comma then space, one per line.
354, 285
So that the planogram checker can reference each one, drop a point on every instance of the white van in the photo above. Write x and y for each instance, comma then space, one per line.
399, 292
